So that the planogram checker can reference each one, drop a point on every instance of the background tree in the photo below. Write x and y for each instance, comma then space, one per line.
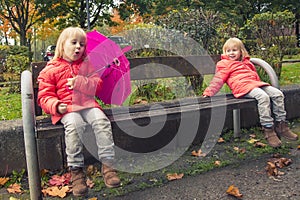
74, 13
23, 14
273, 33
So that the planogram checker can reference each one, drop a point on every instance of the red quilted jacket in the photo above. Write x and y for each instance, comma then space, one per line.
52, 82
240, 76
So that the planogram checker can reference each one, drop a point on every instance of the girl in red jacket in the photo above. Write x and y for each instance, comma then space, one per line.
236, 70
66, 92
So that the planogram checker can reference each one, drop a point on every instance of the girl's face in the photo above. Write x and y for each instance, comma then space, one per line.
233, 53
74, 48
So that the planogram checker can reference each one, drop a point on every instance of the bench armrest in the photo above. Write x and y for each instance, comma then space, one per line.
269, 70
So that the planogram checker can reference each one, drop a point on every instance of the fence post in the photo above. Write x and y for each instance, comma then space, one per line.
28, 118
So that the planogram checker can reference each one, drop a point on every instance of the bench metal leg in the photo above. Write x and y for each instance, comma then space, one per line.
236, 123
28, 118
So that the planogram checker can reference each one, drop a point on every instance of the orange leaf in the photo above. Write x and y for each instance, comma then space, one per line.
44, 172
198, 153
271, 169
56, 191
217, 163
174, 176
14, 188
234, 191
298, 147
260, 144
242, 150
221, 140
3, 180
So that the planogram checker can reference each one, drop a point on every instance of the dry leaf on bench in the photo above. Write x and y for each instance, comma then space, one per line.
174, 176
3, 180
234, 191
198, 153
14, 188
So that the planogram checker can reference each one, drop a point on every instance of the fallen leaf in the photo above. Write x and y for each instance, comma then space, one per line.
140, 101
3, 180
91, 170
252, 141
93, 198
90, 183
252, 136
174, 176
298, 147
259, 144
271, 169
280, 162
14, 188
198, 153
236, 148
217, 163
239, 150
13, 198
57, 180
234, 191
56, 191
221, 140
44, 172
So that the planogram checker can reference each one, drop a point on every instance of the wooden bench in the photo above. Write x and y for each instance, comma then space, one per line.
37, 126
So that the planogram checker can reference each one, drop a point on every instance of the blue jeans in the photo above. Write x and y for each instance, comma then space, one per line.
266, 96
75, 125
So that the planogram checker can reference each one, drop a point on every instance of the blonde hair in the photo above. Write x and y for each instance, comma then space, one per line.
235, 42
66, 33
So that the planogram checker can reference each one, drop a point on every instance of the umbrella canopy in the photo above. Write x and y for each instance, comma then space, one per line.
111, 64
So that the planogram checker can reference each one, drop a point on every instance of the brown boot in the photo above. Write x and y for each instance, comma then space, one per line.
272, 137
282, 129
110, 176
78, 181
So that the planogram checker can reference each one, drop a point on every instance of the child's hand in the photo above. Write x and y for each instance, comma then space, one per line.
71, 82
62, 108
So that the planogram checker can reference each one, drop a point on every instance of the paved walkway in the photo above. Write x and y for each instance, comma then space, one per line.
250, 178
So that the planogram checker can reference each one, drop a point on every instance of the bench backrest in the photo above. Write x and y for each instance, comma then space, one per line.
151, 68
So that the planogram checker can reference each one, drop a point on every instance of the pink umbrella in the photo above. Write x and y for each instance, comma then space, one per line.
112, 66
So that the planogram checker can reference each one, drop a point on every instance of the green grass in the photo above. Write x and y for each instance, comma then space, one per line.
11, 105
290, 74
